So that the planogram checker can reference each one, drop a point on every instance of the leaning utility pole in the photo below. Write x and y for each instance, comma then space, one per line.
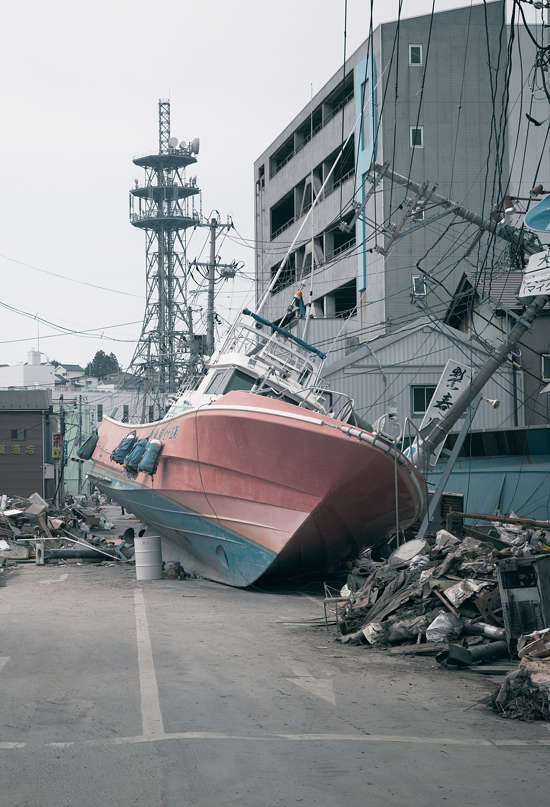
425, 198
434, 433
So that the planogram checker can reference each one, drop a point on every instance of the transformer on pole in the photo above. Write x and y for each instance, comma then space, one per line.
164, 207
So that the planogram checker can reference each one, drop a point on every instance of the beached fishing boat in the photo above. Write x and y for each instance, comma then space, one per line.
258, 471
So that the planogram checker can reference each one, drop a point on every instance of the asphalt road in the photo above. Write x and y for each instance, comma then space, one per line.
191, 693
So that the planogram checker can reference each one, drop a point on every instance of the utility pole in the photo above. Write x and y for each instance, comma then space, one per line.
425, 198
226, 270
434, 433
62, 452
211, 283
79, 443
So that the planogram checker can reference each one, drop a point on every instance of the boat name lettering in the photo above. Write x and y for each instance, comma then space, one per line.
165, 433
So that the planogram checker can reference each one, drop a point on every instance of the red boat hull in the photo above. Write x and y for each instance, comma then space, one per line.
251, 486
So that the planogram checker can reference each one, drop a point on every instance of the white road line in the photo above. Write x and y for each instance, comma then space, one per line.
476, 742
3, 661
60, 579
151, 716
320, 687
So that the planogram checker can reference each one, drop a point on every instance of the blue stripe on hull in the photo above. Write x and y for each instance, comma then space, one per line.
201, 544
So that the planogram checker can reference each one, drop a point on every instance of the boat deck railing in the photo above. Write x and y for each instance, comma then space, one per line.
290, 357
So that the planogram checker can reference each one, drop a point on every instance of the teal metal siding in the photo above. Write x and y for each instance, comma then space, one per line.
365, 147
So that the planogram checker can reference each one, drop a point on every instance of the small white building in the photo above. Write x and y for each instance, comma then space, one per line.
31, 374
69, 371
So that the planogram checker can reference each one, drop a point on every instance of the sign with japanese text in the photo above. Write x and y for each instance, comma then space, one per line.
17, 449
56, 446
455, 378
536, 276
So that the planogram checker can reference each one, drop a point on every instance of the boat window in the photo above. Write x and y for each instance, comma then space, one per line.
217, 383
271, 393
240, 381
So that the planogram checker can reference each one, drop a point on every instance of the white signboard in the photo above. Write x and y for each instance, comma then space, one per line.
455, 378
536, 276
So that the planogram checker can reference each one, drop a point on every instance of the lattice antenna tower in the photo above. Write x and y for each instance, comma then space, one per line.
164, 207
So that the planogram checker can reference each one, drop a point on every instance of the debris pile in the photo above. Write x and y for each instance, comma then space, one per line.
30, 528
525, 692
440, 593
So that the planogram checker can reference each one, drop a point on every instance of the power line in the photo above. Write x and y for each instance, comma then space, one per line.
69, 279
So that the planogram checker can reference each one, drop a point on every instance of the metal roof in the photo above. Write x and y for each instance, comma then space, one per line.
374, 346
499, 288
71, 367
12, 400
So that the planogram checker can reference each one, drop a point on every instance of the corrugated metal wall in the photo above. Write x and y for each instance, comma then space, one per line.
384, 377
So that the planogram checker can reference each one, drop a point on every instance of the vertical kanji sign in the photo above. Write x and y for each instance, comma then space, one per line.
455, 378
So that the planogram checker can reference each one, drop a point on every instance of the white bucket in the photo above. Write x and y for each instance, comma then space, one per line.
148, 556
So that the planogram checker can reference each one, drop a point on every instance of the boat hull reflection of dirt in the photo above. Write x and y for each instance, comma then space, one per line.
250, 486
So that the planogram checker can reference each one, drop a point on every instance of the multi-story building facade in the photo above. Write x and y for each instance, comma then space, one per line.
440, 101
419, 95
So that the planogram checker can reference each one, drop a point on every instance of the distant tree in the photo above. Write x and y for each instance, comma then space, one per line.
102, 365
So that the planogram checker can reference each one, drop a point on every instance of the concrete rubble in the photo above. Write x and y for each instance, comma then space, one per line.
440, 597
31, 530
525, 692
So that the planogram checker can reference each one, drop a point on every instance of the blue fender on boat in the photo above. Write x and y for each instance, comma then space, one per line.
123, 448
150, 460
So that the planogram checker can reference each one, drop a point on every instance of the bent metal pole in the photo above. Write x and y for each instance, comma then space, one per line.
437, 431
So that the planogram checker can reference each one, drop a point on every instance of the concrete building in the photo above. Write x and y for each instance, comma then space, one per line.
79, 402
432, 100
30, 374
28, 443
437, 128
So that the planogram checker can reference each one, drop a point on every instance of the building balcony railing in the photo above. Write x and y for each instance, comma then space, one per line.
341, 180
279, 164
283, 227
342, 248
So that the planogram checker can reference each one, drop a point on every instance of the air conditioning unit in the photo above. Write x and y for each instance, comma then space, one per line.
524, 585
419, 287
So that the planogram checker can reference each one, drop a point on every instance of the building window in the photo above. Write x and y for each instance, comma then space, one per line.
99, 413
421, 395
19, 434
415, 55
151, 414
125, 413
419, 288
417, 137
545, 366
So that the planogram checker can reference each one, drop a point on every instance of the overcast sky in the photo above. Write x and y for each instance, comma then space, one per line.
80, 86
